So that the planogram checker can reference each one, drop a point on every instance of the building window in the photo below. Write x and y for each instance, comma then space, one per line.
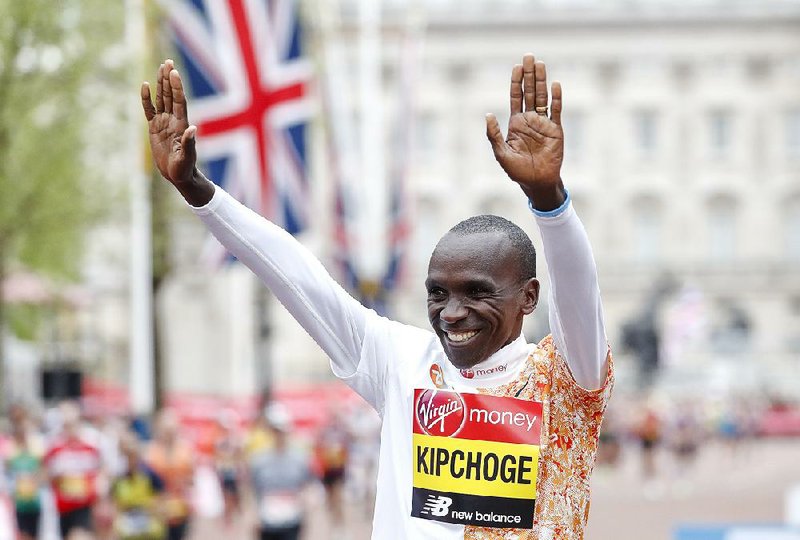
426, 230
793, 134
426, 137
722, 229
720, 125
793, 337
574, 136
731, 328
647, 225
793, 230
645, 128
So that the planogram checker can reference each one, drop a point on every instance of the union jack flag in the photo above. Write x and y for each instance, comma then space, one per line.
372, 292
248, 83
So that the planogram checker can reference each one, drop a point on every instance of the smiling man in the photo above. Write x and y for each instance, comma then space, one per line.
484, 436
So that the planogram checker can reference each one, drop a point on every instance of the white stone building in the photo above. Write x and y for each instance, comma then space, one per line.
682, 125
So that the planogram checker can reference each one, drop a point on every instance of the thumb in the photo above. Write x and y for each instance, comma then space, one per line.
495, 136
189, 144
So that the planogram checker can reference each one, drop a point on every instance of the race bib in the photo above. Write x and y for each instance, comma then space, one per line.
74, 487
135, 522
26, 488
176, 508
476, 458
276, 509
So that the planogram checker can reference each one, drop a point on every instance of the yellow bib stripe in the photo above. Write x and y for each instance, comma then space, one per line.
475, 467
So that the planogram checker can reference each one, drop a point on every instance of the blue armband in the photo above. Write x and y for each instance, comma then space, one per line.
552, 213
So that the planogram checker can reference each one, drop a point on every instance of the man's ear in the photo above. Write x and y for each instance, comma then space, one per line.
531, 291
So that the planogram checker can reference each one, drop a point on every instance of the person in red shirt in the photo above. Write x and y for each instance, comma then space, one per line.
332, 448
73, 466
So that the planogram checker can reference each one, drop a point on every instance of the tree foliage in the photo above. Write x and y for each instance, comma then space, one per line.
49, 52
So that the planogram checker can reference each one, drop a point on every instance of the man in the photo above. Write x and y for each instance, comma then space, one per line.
172, 458
137, 494
23, 466
332, 449
484, 436
73, 466
280, 476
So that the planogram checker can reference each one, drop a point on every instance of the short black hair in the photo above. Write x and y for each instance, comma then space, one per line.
488, 223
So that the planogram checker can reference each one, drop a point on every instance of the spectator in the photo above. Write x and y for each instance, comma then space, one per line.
227, 461
649, 433
172, 459
136, 495
73, 466
279, 477
23, 466
333, 446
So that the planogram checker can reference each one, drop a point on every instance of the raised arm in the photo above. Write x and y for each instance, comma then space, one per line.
333, 318
531, 155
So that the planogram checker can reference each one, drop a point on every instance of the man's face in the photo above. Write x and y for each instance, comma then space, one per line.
476, 295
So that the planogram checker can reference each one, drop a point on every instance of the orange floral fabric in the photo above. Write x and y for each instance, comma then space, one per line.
570, 430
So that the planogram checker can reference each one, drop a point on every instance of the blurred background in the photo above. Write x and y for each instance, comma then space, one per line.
358, 125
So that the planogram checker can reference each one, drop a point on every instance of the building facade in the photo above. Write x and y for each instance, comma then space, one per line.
682, 129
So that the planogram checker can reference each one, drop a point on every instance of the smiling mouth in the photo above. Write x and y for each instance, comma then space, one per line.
461, 337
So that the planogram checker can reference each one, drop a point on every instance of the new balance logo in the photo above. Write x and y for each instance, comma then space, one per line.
436, 505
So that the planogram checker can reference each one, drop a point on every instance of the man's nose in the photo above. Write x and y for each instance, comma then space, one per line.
454, 310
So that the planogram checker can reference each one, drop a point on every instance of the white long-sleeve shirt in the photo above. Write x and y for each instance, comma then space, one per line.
385, 361
337, 321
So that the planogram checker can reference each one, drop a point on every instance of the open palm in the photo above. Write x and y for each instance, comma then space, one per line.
171, 138
533, 149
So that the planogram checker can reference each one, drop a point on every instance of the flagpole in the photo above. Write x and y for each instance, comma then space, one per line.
141, 284
372, 208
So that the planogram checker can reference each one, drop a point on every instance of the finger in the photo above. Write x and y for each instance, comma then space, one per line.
178, 95
528, 63
147, 103
188, 144
516, 89
555, 104
159, 93
495, 136
166, 89
540, 76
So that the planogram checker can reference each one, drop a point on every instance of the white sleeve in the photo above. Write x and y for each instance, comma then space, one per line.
575, 309
335, 320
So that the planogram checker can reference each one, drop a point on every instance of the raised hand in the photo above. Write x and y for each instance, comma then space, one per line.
172, 139
533, 150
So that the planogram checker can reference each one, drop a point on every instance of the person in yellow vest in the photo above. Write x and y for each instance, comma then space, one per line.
485, 436
137, 495
259, 437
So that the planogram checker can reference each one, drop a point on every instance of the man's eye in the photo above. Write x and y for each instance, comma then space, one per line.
436, 294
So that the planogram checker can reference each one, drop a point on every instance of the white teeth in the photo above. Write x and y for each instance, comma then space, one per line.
463, 336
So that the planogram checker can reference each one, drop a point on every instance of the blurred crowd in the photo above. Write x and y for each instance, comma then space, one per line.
668, 435
70, 475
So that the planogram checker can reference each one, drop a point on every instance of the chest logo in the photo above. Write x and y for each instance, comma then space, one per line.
440, 413
437, 377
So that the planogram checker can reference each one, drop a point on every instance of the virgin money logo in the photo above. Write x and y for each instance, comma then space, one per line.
440, 413
472, 373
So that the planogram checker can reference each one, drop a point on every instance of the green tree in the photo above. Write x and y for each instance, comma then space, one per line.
51, 51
